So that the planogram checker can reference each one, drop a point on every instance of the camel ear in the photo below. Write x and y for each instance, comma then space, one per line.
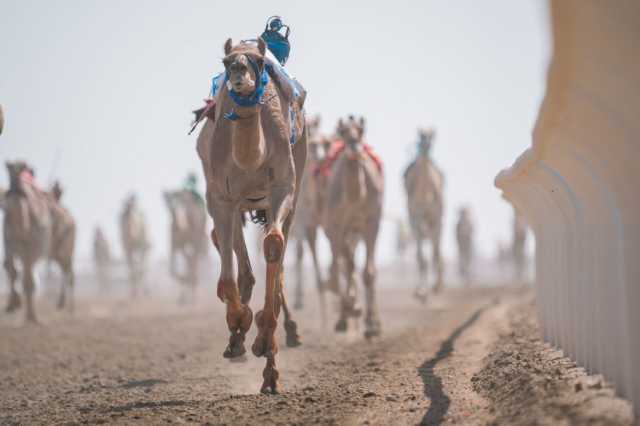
262, 46
227, 46
362, 124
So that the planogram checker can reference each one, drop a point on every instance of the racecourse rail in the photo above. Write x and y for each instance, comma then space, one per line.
579, 188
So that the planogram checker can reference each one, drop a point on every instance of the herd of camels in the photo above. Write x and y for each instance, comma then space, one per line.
263, 160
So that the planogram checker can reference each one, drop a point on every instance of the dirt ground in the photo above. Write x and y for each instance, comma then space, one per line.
151, 361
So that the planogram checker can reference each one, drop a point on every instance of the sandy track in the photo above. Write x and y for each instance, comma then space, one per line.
154, 362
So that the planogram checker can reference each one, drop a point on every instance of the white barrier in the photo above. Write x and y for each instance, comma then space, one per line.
579, 188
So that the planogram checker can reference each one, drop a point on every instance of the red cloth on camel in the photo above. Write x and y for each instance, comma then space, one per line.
324, 169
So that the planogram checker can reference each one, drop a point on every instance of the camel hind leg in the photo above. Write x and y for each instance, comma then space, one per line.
68, 284
372, 319
437, 259
312, 235
298, 303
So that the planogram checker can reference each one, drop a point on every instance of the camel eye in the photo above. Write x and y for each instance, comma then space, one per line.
226, 62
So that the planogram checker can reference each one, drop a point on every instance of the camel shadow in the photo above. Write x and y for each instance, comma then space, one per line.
433, 388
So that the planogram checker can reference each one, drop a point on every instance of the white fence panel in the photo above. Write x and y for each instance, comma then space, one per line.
579, 187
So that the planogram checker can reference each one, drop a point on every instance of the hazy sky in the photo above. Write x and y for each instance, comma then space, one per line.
109, 87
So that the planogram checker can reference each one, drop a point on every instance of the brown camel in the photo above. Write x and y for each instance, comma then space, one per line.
63, 240
424, 185
133, 234
251, 165
464, 238
36, 227
353, 212
188, 236
309, 216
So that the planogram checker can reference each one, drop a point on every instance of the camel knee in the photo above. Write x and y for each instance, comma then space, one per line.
228, 290
11, 270
369, 275
273, 246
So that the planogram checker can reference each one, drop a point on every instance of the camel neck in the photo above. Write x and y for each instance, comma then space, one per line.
247, 140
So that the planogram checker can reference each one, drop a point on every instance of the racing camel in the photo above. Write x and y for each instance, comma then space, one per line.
353, 212
464, 238
424, 186
188, 236
135, 244
253, 156
309, 216
102, 258
36, 227
63, 238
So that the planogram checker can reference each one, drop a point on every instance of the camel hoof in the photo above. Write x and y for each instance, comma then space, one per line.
270, 384
293, 338
236, 347
372, 329
14, 302
341, 326
421, 296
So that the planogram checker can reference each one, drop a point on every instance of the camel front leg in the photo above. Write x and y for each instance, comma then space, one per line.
14, 298
423, 273
28, 284
281, 201
239, 315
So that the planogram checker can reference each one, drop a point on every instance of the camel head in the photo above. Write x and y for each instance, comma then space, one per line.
352, 133
244, 63
316, 141
425, 141
15, 170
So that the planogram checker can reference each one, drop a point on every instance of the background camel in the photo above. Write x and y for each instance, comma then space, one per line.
464, 238
188, 236
353, 212
63, 238
36, 226
253, 155
102, 258
27, 234
309, 216
135, 244
424, 185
